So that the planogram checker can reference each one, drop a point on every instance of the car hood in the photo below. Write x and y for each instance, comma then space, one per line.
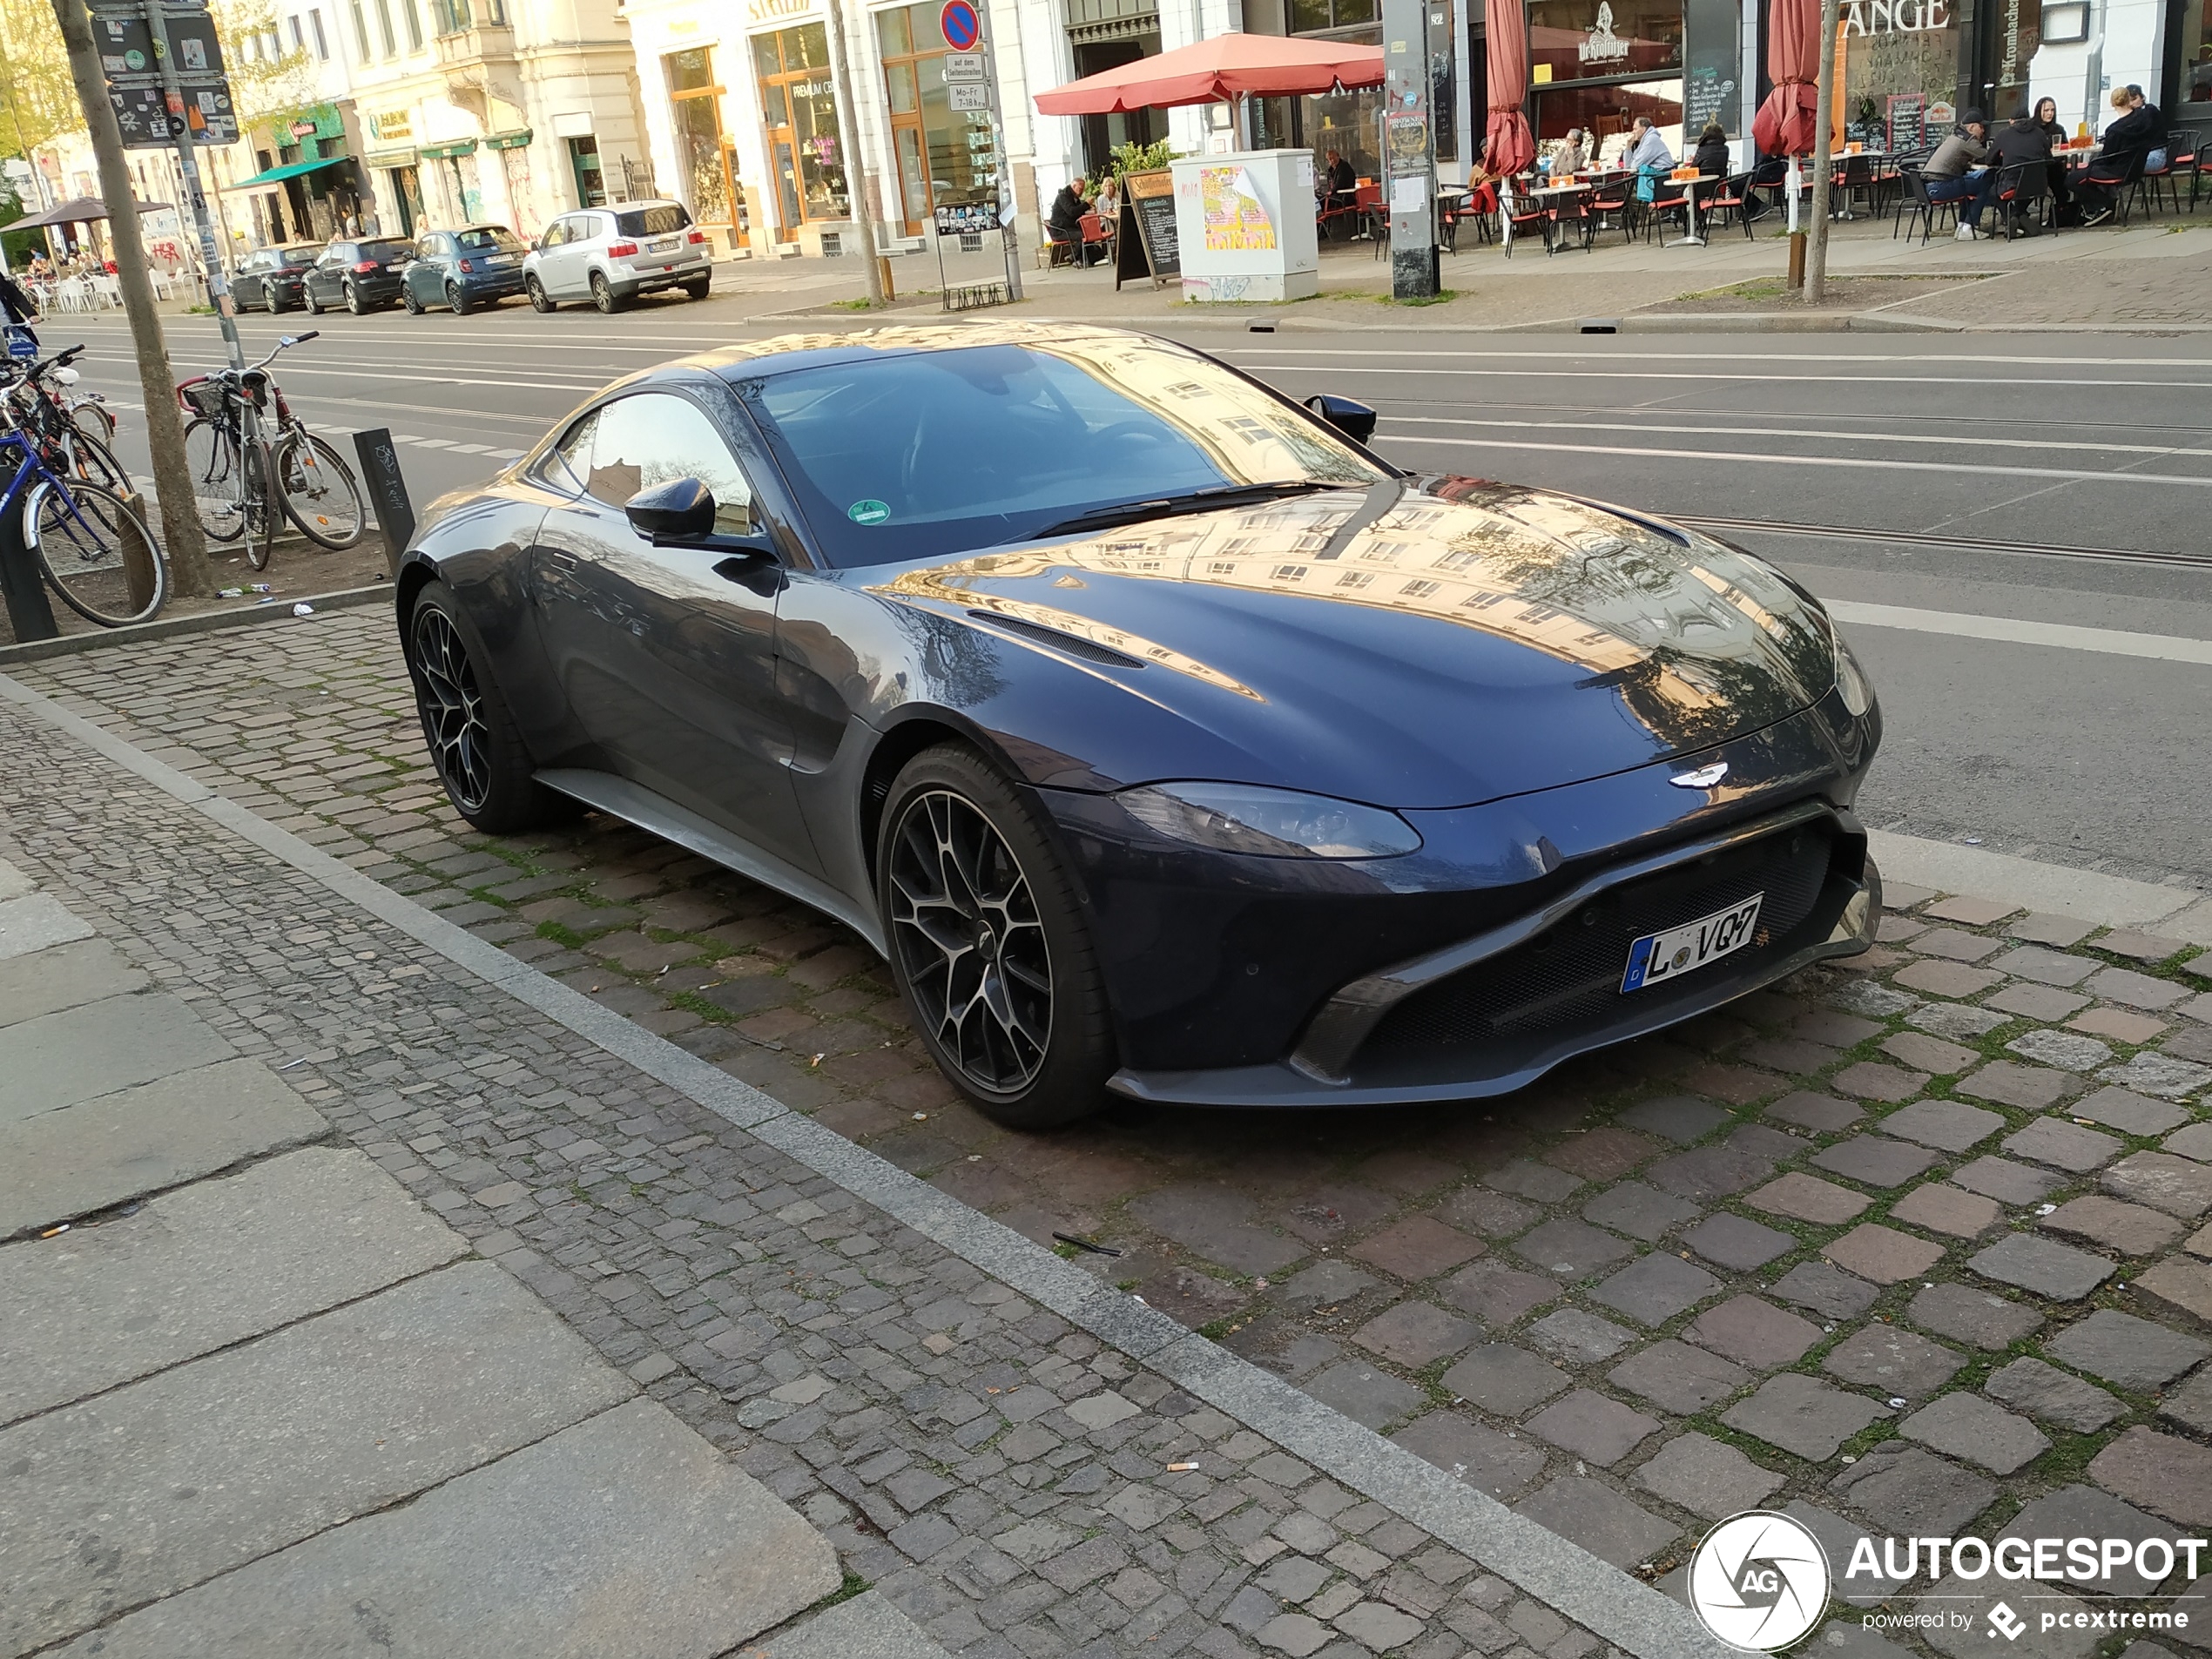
1431, 642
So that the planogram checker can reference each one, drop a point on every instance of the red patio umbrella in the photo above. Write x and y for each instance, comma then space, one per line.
1225, 69
1785, 123
1512, 145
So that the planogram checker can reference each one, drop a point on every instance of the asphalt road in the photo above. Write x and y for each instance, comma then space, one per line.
2092, 750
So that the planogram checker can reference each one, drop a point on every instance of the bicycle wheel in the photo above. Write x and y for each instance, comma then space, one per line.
218, 479
96, 465
258, 498
319, 492
96, 552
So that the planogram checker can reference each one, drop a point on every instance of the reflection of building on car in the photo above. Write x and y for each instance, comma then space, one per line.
1166, 740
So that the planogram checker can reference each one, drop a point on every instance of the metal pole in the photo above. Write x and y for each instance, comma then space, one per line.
1409, 150
218, 286
848, 127
1008, 241
1823, 151
181, 533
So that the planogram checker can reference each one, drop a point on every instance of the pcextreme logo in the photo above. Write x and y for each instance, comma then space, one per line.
1759, 1581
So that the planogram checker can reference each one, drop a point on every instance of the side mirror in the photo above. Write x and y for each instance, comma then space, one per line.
1355, 420
536, 242
682, 507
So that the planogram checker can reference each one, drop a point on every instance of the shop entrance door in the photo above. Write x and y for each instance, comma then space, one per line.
706, 155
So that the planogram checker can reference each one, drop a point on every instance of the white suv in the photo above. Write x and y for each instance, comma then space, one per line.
610, 255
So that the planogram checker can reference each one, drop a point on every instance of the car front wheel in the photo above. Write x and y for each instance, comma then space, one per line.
988, 944
539, 298
475, 743
408, 299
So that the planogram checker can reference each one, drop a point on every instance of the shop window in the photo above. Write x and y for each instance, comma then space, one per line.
1586, 40
805, 154
705, 154
947, 157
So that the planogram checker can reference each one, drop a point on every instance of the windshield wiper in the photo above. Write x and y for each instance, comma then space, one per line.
1190, 501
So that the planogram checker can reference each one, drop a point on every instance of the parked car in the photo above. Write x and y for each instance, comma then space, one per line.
610, 255
271, 279
358, 272
476, 265
1167, 741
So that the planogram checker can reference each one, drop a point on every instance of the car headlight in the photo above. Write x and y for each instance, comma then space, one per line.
1270, 823
1850, 679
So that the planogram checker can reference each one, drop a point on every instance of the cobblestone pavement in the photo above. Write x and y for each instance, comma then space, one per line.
1913, 1245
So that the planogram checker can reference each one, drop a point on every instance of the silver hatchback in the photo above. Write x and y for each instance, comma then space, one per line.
610, 255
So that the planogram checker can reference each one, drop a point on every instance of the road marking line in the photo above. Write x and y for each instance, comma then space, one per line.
1825, 435
2171, 648
1982, 382
1880, 464
1765, 357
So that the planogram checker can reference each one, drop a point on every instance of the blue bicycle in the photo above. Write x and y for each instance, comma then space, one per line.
93, 549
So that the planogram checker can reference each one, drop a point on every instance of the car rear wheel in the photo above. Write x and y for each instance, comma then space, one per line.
276, 302
988, 944
603, 293
539, 300
353, 302
457, 297
474, 742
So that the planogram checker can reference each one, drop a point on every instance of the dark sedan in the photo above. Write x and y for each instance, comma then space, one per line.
477, 265
272, 279
1165, 740
359, 273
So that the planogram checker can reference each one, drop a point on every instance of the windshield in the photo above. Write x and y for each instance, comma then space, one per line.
935, 452
652, 221
498, 237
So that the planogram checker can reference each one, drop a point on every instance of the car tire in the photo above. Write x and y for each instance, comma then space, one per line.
314, 305
539, 300
276, 302
966, 872
698, 287
475, 747
406, 298
457, 297
353, 302
603, 295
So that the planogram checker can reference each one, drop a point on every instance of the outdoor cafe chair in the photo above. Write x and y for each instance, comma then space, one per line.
1094, 233
1524, 218
2021, 198
2126, 191
1732, 195
1663, 203
1925, 209
1615, 198
2181, 157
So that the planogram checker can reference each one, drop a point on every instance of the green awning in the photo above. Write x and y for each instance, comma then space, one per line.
519, 139
290, 170
440, 152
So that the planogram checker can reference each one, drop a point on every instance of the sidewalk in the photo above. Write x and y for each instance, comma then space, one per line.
2149, 277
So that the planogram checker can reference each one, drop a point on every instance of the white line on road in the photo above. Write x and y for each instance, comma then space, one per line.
1758, 371
2006, 361
2171, 648
1876, 464
1824, 434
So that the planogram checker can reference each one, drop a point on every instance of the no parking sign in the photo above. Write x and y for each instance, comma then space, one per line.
961, 27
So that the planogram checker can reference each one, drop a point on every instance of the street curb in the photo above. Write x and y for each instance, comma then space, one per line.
206, 622
1578, 1585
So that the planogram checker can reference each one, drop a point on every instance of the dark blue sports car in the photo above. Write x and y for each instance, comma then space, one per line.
1166, 740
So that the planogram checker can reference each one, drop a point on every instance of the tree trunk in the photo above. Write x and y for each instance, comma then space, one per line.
180, 533
858, 184
1824, 169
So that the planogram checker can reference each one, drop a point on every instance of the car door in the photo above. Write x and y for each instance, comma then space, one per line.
570, 278
325, 277
421, 279
667, 655
247, 289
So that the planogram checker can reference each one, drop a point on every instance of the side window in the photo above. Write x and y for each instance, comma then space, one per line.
568, 463
655, 438
556, 234
428, 248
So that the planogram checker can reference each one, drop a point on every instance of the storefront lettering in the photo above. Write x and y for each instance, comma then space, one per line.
762, 11
1602, 45
1895, 16
387, 124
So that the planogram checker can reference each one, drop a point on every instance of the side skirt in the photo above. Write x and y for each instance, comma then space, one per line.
635, 804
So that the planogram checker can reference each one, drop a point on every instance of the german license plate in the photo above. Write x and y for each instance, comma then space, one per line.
668, 245
1656, 958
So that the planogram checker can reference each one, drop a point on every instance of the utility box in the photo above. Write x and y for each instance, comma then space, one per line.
1245, 225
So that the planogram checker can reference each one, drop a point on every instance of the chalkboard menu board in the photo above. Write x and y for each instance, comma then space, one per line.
1146, 243
1908, 122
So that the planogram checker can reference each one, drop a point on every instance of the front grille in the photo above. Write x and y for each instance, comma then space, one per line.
1568, 977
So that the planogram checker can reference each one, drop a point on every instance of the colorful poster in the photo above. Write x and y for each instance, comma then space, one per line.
1236, 219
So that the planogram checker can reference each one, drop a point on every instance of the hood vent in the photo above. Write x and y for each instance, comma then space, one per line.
1073, 645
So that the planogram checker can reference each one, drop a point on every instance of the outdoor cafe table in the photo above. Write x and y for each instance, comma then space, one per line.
1554, 196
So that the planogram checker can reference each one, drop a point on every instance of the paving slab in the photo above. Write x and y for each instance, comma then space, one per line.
1973, 1638
1967, 1426
2042, 1265
33, 920
1949, 1125
624, 1536
203, 1267
2050, 1395
1599, 1519
867, 1626
1474, 1454
1908, 1492
1826, 1289
1802, 1415
2179, 1186
1707, 1477
61, 976
1968, 1314
1498, 1376
2084, 1512
2063, 1146
1897, 1362
1678, 1377
154, 1487
123, 1146
13, 882
2161, 1472
2138, 1355
1840, 1538
2128, 1112
79, 1054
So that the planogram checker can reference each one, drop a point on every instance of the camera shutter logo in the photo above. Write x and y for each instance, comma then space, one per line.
1759, 1581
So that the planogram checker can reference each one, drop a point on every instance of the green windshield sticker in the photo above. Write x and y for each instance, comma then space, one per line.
868, 512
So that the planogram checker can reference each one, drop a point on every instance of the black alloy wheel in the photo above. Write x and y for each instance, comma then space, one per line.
354, 301
276, 299
478, 751
408, 299
457, 297
988, 944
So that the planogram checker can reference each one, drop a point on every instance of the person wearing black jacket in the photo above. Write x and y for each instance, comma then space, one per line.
1065, 223
1711, 155
2126, 144
2046, 117
2021, 155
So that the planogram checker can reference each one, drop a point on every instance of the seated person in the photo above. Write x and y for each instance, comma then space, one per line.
1958, 172
1648, 157
1065, 224
2128, 144
2021, 160
1711, 154
1339, 186
1571, 157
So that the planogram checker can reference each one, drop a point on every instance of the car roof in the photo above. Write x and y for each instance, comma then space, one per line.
463, 230
302, 248
643, 201
787, 351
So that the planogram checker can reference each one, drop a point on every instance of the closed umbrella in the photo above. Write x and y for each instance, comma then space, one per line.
1227, 69
1512, 147
1785, 123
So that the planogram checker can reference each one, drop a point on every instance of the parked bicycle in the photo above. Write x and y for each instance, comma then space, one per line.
255, 462
93, 549
73, 430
